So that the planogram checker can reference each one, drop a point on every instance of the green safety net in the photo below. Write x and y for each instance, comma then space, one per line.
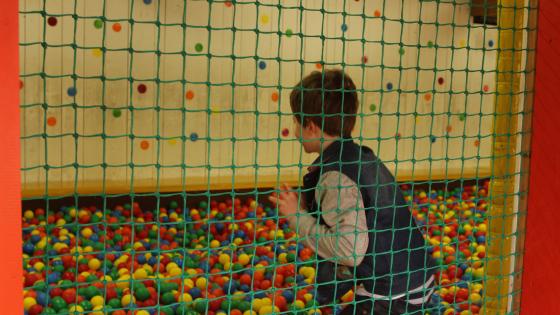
129, 220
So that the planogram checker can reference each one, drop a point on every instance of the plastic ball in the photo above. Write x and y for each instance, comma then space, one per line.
28, 302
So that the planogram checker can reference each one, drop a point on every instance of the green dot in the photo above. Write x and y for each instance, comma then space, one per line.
462, 116
117, 113
430, 44
372, 107
401, 51
198, 47
289, 32
98, 23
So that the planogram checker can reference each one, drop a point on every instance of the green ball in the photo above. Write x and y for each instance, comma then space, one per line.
168, 298
86, 305
198, 47
142, 294
201, 306
58, 303
117, 113
203, 205
289, 32
48, 311
173, 205
182, 309
291, 257
98, 24
115, 303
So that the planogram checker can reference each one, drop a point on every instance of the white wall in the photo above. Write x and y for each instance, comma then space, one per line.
407, 23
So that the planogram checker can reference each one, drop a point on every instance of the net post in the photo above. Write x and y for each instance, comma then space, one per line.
504, 159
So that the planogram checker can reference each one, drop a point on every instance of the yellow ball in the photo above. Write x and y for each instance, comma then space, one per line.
98, 310
39, 266
268, 309
449, 311
214, 244
481, 249
123, 281
224, 258
140, 274
308, 297
249, 313
282, 258
28, 302
189, 284
475, 298
127, 300
186, 298
175, 272
87, 232
171, 266
75, 309
97, 300
243, 259
299, 304
314, 311
238, 241
482, 227
266, 301
465, 312
94, 264
142, 312
257, 304
201, 283
28, 214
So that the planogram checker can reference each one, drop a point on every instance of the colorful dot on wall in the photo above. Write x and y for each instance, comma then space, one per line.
51, 121
198, 47
433, 139
319, 66
430, 44
194, 136
72, 91
98, 23
389, 86
20, 84
377, 13
289, 32
344, 27
462, 43
476, 143
147, 1
172, 141
265, 19
462, 117
189, 95
440, 80
401, 51
427, 97
372, 107
491, 43
486, 88
117, 27
448, 129
274, 96
117, 113
228, 4
144, 144
398, 135
52, 21
97, 52
365, 59
285, 132
262, 65
142, 88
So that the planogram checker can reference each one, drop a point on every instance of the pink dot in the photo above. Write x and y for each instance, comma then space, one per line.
142, 88
285, 132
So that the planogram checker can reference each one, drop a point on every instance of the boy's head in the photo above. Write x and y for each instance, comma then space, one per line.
324, 106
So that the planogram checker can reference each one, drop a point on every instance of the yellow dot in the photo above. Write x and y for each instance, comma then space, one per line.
97, 52
265, 19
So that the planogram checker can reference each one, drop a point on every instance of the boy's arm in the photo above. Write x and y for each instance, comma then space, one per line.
345, 237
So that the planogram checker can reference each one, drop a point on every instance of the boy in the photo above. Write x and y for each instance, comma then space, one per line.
351, 211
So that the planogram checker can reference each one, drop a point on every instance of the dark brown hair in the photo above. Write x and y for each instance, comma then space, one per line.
328, 99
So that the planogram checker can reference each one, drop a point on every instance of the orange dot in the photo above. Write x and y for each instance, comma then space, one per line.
476, 143
117, 27
448, 128
377, 13
274, 96
318, 66
51, 121
228, 4
428, 97
190, 95
144, 144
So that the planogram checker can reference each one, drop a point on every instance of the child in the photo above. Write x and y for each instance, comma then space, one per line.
351, 211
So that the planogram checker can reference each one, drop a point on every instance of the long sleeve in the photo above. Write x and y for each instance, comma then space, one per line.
344, 238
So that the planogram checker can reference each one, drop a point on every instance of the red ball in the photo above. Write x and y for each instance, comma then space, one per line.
35, 310
265, 284
69, 296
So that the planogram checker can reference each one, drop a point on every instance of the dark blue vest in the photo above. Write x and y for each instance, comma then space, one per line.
397, 259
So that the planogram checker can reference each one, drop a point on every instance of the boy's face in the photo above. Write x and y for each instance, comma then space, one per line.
309, 136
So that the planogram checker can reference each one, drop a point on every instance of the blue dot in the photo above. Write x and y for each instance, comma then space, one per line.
491, 43
147, 1
262, 65
433, 139
72, 91
389, 86
194, 136
344, 27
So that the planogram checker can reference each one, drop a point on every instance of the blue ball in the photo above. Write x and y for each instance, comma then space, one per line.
141, 259
153, 260
481, 239
491, 43
244, 288
262, 65
147, 1
194, 136
53, 277
36, 238
260, 294
195, 293
219, 227
389, 86
344, 27
288, 295
28, 248
41, 298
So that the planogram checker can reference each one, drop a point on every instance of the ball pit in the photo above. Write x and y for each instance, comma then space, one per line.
230, 257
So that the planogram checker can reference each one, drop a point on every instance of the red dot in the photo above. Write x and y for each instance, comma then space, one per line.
440, 80
274, 96
476, 143
318, 66
51, 121
228, 4
20, 84
190, 95
448, 128
486, 88
365, 59
398, 135
285, 132
142, 88
144, 144
117, 27
52, 21
428, 97
377, 13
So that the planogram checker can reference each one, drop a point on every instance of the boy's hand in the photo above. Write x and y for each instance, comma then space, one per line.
287, 201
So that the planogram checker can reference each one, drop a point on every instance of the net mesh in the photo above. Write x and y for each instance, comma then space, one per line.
153, 133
